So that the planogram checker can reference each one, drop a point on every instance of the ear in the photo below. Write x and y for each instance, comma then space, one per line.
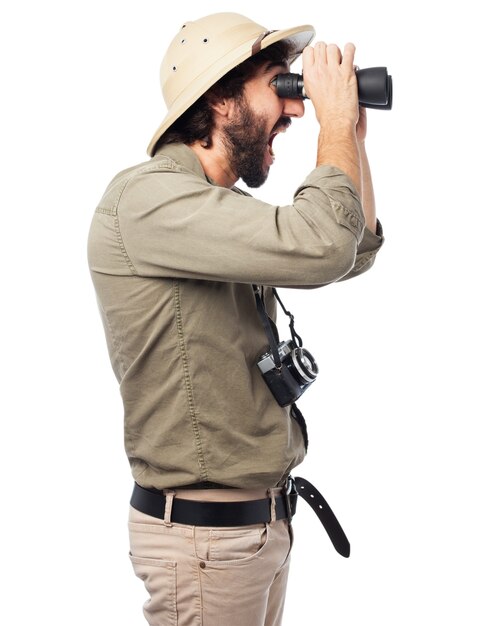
223, 107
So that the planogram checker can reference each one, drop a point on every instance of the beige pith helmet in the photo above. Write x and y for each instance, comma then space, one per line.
205, 50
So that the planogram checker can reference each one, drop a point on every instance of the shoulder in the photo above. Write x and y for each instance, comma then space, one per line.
143, 178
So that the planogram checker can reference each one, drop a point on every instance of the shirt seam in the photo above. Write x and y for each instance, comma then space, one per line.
188, 385
165, 163
150, 167
352, 216
121, 244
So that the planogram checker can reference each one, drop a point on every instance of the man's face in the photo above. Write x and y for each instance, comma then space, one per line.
259, 116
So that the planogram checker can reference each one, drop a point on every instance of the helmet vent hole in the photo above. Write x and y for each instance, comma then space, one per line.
183, 40
205, 40
174, 68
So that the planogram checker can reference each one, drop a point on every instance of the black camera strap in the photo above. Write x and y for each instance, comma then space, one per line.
273, 339
269, 326
298, 342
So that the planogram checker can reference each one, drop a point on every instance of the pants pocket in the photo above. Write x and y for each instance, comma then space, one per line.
159, 578
236, 544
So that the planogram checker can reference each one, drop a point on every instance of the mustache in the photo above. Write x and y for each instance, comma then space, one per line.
283, 122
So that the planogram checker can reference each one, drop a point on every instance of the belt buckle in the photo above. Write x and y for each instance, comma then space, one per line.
288, 489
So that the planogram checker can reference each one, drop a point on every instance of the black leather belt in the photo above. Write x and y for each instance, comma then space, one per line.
224, 514
213, 514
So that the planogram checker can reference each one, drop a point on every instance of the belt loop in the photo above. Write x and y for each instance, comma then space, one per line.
273, 506
169, 498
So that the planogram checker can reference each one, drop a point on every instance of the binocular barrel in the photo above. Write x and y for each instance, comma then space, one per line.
375, 87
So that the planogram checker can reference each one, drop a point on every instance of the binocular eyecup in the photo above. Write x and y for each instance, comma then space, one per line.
375, 87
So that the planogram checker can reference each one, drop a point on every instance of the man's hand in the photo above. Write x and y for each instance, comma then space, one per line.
331, 84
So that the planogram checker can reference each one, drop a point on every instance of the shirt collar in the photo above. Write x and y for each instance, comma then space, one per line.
182, 154
185, 156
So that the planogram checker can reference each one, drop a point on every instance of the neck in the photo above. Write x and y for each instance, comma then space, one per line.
215, 163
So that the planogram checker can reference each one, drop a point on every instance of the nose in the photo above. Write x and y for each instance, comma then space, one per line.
293, 107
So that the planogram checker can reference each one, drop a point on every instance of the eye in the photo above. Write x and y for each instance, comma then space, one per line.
273, 82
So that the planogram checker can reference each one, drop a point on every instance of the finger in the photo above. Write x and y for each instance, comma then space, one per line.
308, 56
320, 51
333, 54
349, 55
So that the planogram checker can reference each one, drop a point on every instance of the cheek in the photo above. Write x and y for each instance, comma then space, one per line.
274, 113
268, 104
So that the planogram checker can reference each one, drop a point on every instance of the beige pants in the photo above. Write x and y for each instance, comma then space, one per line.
199, 576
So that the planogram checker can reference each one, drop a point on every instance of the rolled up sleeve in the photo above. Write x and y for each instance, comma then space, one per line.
174, 223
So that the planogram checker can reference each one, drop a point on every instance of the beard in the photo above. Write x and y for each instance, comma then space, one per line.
246, 141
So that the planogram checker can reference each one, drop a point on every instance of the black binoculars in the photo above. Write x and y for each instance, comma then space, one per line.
375, 87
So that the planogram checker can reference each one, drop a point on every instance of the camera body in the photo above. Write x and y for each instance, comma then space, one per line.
297, 372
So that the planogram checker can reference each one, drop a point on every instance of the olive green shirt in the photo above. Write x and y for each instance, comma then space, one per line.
173, 258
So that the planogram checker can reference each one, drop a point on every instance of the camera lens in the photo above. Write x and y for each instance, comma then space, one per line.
305, 364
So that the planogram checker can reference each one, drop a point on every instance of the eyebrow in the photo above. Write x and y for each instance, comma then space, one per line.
272, 64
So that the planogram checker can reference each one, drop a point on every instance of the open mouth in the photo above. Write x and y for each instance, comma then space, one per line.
270, 143
272, 138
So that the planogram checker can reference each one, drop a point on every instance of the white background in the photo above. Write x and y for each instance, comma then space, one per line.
403, 419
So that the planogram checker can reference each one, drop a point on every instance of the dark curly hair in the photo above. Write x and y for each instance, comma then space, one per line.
197, 122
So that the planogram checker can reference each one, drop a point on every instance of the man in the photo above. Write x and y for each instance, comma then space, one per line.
174, 251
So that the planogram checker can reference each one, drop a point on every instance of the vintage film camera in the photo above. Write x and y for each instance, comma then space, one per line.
288, 368
297, 370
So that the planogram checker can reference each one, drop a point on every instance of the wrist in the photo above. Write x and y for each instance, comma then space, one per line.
338, 124
339, 133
